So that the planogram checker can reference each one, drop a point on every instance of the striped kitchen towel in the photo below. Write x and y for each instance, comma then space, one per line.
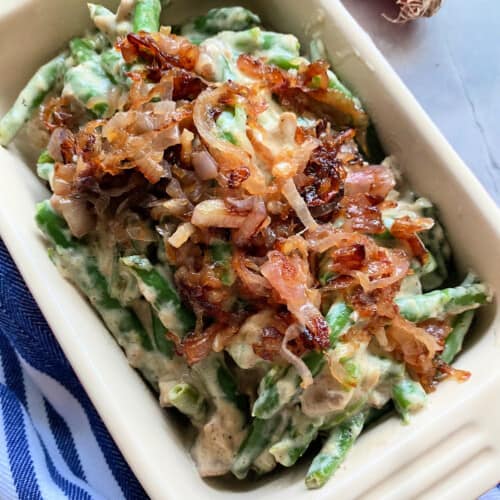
52, 442
53, 445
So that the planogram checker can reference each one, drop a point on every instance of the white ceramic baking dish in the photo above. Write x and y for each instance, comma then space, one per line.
451, 450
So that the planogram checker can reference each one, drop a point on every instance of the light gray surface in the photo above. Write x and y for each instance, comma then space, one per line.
451, 62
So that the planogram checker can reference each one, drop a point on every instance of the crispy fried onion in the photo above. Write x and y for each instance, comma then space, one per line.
198, 346
378, 268
293, 332
406, 228
249, 273
296, 201
231, 159
289, 276
374, 180
415, 346
302, 92
247, 215
253, 222
136, 138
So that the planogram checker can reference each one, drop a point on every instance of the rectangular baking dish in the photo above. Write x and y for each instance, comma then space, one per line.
451, 449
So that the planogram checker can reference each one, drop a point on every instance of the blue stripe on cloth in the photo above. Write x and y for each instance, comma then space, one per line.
11, 367
25, 328
21, 464
98, 476
64, 441
42, 443
69, 489
7, 486
23, 442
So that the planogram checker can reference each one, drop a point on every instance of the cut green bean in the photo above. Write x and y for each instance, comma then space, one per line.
161, 294
30, 98
82, 50
114, 65
45, 166
221, 253
188, 400
440, 303
54, 226
280, 385
334, 451
437, 244
89, 84
301, 431
104, 20
163, 344
229, 388
258, 438
226, 19
217, 20
408, 396
339, 320
109, 24
147, 16
81, 268
460, 326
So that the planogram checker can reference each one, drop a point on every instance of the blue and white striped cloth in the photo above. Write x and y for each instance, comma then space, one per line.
53, 444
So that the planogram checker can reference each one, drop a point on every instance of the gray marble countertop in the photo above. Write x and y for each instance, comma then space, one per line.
451, 63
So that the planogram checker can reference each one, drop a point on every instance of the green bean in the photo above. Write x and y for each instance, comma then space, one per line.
408, 396
257, 440
460, 326
221, 253
439, 303
82, 49
219, 381
301, 431
232, 125
339, 320
45, 166
217, 20
162, 343
96, 10
88, 83
81, 268
30, 98
275, 48
229, 388
435, 241
318, 52
161, 294
336, 419
109, 24
334, 451
114, 65
146, 16
54, 227
265, 462
281, 384
226, 19
221, 386
188, 400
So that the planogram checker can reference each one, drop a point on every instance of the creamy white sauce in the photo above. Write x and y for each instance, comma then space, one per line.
250, 333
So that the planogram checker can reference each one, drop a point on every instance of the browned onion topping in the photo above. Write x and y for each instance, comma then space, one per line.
246, 222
